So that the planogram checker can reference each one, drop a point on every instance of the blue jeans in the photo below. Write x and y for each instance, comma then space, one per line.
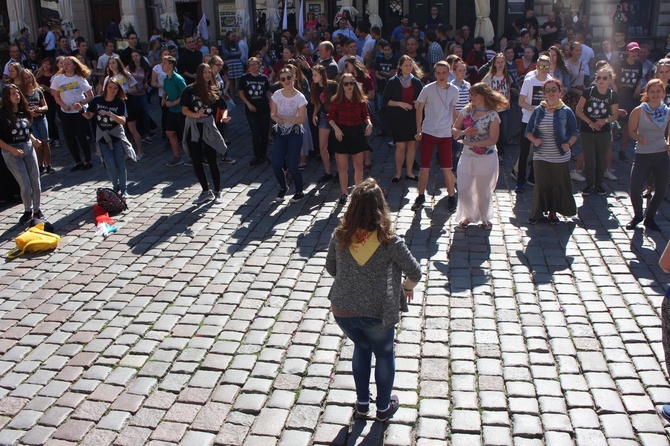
368, 337
504, 131
40, 129
287, 147
115, 163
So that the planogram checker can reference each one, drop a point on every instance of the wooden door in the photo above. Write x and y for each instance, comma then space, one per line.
102, 13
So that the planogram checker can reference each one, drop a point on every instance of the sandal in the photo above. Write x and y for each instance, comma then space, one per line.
395, 179
487, 226
464, 224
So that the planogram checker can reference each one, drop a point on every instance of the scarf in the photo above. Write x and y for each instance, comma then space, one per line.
405, 81
556, 106
658, 116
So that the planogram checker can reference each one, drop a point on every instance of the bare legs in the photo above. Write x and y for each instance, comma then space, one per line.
323, 149
404, 152
343, 168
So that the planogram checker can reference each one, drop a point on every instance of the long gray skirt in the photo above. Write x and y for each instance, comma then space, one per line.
553, 190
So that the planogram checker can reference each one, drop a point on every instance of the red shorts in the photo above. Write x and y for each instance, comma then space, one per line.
428, 143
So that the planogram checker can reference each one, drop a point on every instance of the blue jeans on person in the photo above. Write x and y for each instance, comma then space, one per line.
115, 162
504, 131
27, 174
287, 148
40, 129
368, 338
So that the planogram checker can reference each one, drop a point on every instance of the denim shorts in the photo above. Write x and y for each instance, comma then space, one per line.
40, 129
323, 121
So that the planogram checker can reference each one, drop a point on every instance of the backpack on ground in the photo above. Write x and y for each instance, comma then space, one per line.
111, 201
35, 239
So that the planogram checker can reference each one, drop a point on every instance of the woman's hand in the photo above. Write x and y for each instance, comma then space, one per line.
405, 106
17, 152
338, 134
642, 140
418, 136
252, 109
226, 119
599, 123
470, 131
315, 120
565, 146
537, 142
368, 130
409, 295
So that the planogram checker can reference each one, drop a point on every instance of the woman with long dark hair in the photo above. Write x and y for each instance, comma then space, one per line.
40, 128
322, 89
367, 262
476, 59
348, 111
69, 89
17, 144
43, 76
400, 94
141, 72
199, 103
500, 81
109, 111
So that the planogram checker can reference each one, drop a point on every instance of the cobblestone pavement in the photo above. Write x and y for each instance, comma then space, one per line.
211, 325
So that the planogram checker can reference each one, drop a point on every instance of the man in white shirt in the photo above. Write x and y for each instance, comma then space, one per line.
103, 59
607, 54
587, 53
363, 31
49, 43
350, 49
344, 29
244, 48
14, 56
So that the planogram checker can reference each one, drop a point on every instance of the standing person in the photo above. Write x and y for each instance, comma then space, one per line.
49, 43
173, 86
501, 82
43, 76
232, 56
17, 144
557, 68
530, 96
552, 129
321, 92
399, 99
288, 109
219, 72
577, 70
439, 99
127, 54
597, 109
348, 111
254, 88
157, 78
117, 70
460, 71
109, 111
37, 105
479, 126
200, 102
189, 59
629, 86
70, 88
475, 59
367, 262
648, 126
141, 72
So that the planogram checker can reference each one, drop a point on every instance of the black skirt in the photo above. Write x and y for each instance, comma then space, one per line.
353, 140
402, 123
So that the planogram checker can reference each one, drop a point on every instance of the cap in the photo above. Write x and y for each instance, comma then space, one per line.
632, 46
480, 40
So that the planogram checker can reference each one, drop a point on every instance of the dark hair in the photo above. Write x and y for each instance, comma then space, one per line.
364, 27
130, 33
79, 39
431, 35
207, 90
367, 212
8, 108
376, 30
143, 63
120, 94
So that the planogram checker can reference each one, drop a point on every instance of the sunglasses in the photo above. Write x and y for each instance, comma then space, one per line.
602, 78
542, 67
348, 84
285, 78
551, 90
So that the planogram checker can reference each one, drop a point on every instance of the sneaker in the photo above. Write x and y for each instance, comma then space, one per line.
387, 414
38, 214
125, 195
577, 176
588, 190
325, 178
451, 204
622, 156
280, 195
43, 170
532, 221
148, 140
600, 191
205, 162
227, 160
651, 224
50, 169
203, 197
514, 174
217, 196
609, 175
297, 197
519, 189
633, 223
55, 144
139, 157
176, 161
26, 217
77, 167
343, 200
87, 166
302, 166
391, 144
553, 219
665, 412
362, 410
189, 163
255, 161
418, 203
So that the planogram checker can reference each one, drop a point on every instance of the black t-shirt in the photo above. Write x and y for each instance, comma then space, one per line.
15, 131
117, 106
384, 65
598, 106
629, 76
550, 39
519, 50
31, 64
191, 100
256, 89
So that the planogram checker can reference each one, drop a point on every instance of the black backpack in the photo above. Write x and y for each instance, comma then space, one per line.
111, 201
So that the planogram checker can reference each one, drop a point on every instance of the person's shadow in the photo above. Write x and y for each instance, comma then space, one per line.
360, 434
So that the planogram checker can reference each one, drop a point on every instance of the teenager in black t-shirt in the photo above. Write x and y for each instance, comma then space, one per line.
254, 88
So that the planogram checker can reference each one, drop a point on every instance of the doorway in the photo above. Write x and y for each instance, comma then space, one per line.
103, 12
192, 8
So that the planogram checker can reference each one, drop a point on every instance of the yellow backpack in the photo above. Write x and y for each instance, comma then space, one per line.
35, 239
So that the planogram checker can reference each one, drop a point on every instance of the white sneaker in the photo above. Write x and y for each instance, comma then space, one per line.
577, 176
609, 175
203, 197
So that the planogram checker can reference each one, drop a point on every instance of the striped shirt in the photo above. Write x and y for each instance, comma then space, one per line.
548, 151
463, 94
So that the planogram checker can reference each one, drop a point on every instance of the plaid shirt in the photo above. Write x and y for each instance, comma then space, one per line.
348, 113
435, 54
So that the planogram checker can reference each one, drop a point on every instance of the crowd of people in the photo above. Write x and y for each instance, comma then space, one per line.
326, 92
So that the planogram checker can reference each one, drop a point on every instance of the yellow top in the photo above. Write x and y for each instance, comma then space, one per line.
364, 246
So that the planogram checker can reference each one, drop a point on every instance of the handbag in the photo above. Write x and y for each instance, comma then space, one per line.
34, 239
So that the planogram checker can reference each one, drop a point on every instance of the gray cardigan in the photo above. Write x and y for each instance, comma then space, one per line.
374, 289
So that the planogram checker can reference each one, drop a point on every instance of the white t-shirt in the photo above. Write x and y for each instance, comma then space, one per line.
288, 107
532, 90
126, 81
71, 89
160, 76
439, 104
102, 61
340, 64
